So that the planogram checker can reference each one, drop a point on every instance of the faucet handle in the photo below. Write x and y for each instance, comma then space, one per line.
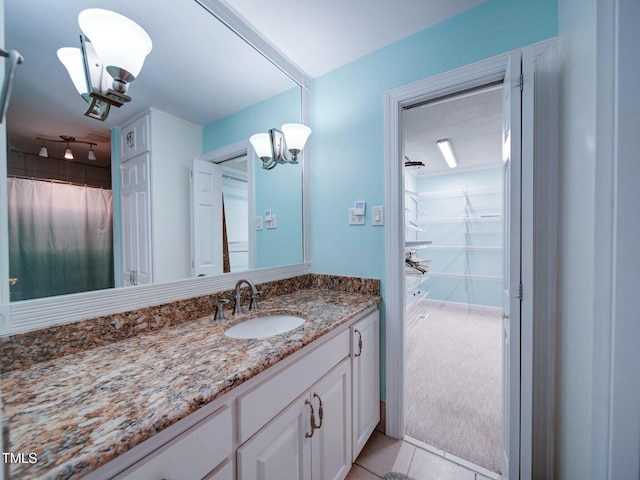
254, 302
219, 308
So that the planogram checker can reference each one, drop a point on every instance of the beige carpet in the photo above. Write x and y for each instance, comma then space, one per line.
453, 387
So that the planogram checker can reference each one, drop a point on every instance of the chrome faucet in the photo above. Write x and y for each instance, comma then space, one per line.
237, 309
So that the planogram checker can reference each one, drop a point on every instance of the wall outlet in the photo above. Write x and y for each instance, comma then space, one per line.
273, 223
259, 222
377, 215
355, 219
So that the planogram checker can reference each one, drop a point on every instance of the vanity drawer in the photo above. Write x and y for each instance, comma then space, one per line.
192, 455
257, 407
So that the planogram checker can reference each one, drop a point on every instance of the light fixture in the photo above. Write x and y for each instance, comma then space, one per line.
43, 151
272, 147
111, 54
68, 153
447, 152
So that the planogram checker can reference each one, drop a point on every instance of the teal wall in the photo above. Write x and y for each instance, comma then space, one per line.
273, 112
279, 189
347, 119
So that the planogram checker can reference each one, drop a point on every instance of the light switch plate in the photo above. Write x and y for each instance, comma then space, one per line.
259, 222
377, 215
355, 219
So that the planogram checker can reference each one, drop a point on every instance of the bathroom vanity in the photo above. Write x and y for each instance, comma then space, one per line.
187, 402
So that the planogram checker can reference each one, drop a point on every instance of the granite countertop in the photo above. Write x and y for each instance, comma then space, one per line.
80, 411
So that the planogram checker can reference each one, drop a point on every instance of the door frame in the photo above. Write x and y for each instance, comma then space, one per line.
538, 295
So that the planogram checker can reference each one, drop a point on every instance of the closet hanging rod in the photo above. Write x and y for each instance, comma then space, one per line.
459, 94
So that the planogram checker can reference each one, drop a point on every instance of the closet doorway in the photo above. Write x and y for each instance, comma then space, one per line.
453, 230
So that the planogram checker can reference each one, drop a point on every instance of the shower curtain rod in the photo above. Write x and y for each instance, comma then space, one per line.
62, 182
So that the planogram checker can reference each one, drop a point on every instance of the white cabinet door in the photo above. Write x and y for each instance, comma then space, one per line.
331, 442
136, 220
134, 138
282, 449
365, 348
309, 440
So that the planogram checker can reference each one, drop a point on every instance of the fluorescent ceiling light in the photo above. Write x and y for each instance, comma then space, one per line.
447, 152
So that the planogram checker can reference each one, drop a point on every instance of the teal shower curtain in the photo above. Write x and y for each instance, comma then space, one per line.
60, 238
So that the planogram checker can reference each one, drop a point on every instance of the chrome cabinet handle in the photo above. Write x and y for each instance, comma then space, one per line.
359, 343
319, 410
311, 420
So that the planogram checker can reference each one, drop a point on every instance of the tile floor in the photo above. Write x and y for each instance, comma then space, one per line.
383, 454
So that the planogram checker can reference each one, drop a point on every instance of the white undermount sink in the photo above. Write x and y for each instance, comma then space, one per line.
265, 326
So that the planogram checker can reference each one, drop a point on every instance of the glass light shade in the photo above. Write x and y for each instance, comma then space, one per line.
92, 154
43, 152
296, 135
71, 58
447, 153
68, 154
261, 144
118, 41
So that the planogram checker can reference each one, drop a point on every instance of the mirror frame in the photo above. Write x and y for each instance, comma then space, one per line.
29, 315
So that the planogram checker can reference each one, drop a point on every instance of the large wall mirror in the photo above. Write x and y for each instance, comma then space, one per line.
200, 78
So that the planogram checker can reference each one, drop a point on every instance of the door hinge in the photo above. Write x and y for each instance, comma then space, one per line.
520, 292
521, 82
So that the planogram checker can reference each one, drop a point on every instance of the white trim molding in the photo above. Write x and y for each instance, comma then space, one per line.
232, 19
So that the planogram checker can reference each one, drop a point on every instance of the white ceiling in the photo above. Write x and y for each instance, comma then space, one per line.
322, 35
473, 124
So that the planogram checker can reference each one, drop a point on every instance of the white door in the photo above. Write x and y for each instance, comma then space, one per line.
512, 158
331, 442
136, 220
206, 218
282, 449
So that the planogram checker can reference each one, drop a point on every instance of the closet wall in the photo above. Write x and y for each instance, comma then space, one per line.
461, 215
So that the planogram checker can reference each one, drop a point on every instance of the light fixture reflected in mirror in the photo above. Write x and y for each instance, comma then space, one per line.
43, 151
68, 153
112, 53
272, 147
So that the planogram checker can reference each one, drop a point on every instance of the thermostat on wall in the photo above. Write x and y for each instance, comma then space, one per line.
358, 207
